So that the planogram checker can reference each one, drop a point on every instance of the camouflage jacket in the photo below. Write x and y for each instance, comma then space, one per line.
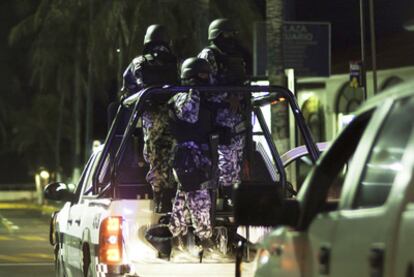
225, 116
186, 107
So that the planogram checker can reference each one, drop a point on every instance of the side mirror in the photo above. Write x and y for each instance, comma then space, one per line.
262, 204
59, 192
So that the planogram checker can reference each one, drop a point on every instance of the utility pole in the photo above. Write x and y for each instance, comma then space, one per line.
362, 26
274, 39
373, 45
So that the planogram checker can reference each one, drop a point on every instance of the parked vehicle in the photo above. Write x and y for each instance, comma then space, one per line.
103, 228
354, 213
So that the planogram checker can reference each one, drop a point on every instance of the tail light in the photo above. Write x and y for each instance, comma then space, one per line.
110, 240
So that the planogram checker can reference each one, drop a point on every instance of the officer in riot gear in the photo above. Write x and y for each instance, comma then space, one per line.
192, 127
229, 63
156, 66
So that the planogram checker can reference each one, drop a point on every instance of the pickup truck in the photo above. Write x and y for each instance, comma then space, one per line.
103, 227
354, 214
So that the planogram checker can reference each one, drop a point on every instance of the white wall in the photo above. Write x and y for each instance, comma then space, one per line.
333, 84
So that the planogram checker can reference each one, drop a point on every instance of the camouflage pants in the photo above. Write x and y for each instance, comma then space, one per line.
158, 151
191, 208
230, 161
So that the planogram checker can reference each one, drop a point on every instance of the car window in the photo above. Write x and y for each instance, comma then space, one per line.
326, 181
89, 178
384, 160
297, 170
84, 176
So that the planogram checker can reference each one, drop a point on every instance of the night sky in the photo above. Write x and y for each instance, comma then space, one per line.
393, 42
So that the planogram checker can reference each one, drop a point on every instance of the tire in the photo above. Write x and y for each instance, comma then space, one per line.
87, 264
59, 267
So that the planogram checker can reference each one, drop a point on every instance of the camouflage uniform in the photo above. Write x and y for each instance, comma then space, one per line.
191, 206
158, 146
158, 142
230, 156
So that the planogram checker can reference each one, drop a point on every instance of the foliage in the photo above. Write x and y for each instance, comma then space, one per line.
32, 134
80, 42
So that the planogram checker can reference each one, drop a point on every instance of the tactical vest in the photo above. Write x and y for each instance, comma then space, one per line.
192, 178
231, 68
159, 71
185, 131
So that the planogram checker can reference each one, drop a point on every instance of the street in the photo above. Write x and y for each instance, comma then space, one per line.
24, 245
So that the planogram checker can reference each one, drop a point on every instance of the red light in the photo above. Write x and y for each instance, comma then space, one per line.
110, 241
113, 224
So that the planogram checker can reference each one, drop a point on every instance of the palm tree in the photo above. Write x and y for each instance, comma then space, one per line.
280, 113
54, 32
274, 40
78, 47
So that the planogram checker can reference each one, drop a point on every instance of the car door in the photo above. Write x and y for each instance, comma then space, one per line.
304, 249
324, 193
73, 236
403, 259
367, 223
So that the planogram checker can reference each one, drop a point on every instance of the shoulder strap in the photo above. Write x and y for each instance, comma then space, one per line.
215, 50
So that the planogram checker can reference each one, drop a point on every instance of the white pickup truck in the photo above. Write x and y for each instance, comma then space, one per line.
354, 215
103, 228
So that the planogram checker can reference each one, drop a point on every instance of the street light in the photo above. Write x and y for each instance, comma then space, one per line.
409, 25
41, 180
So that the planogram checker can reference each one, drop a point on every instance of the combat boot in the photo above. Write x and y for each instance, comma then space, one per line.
207, 249
178, 243
167, 199
157, 195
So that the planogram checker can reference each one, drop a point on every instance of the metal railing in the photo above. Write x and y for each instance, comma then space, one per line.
137, 103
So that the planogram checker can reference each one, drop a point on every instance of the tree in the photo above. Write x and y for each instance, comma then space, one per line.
280, 112
79, 47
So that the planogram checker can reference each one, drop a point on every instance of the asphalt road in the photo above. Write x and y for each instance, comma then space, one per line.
24, 242
25, 248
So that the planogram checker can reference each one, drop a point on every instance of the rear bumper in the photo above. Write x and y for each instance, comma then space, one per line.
186, 270
104, 270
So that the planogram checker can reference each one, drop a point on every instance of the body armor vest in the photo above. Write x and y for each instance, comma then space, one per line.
198, 132
159, 70
190, 176
231, 68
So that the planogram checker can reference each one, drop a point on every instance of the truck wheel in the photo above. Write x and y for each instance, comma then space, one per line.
86, 262
59, 270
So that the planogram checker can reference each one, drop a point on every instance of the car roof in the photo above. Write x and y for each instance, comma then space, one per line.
395, 92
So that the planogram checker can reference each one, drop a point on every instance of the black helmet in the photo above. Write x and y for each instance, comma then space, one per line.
220, 26
156, 33
195, 68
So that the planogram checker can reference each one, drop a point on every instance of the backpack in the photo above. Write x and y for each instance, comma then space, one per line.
157, 69
231, 68
160, 70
